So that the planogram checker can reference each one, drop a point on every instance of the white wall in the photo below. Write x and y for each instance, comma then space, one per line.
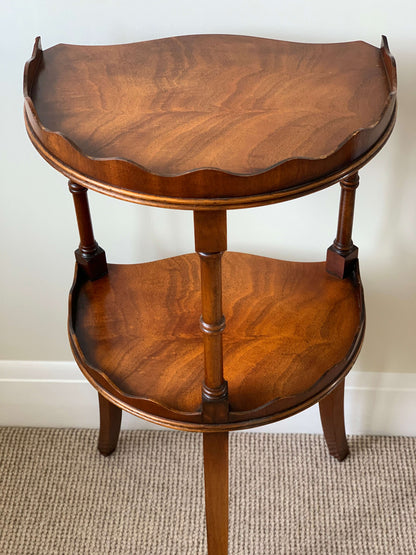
38, 233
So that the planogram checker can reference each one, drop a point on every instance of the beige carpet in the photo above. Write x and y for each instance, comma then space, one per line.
59, 496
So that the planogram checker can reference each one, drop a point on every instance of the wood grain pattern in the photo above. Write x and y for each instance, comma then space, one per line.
176, 105
288, 325
201, 120
216, 491
212, 122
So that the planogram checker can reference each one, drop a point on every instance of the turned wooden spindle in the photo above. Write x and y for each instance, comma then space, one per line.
342, 254
89, 255
210, 243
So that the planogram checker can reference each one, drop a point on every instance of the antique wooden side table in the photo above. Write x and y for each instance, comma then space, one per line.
210, 123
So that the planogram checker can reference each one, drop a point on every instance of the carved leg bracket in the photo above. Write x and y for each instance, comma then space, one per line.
94, 265
340, 264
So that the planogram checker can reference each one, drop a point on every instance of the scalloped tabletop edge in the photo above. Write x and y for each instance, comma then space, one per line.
150, 188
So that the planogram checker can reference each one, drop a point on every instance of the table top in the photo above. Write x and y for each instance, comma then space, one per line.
207, 120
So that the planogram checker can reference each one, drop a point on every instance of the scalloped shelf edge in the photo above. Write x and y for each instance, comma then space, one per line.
158, 413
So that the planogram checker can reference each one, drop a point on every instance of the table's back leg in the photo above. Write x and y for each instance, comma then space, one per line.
331, 409
341, 260
216, 491
110, 422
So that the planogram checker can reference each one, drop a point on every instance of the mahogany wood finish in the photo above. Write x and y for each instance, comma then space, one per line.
110, 422
89, 255
293, 330
210, 243
153, 122
331, 409
210, 123
216, 491
342, 255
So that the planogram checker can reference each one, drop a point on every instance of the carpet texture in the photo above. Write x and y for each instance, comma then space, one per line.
287, 496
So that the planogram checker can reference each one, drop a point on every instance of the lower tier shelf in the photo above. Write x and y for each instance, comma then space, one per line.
292, 333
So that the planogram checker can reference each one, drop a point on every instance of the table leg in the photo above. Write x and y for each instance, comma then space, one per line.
216, 491
110, 422
331, 408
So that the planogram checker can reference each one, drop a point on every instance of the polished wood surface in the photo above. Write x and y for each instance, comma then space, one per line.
89, 255
292, 331
331, 409
342, 254
210, 243
153, 122
110, 422
215, 447
213, 341
173, 96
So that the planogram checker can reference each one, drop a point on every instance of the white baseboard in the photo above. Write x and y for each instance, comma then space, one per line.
55, 394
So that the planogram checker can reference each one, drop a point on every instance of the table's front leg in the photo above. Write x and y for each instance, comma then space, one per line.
210, 243
216, 491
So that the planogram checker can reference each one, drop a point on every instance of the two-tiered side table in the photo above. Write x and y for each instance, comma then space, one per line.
210, 123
